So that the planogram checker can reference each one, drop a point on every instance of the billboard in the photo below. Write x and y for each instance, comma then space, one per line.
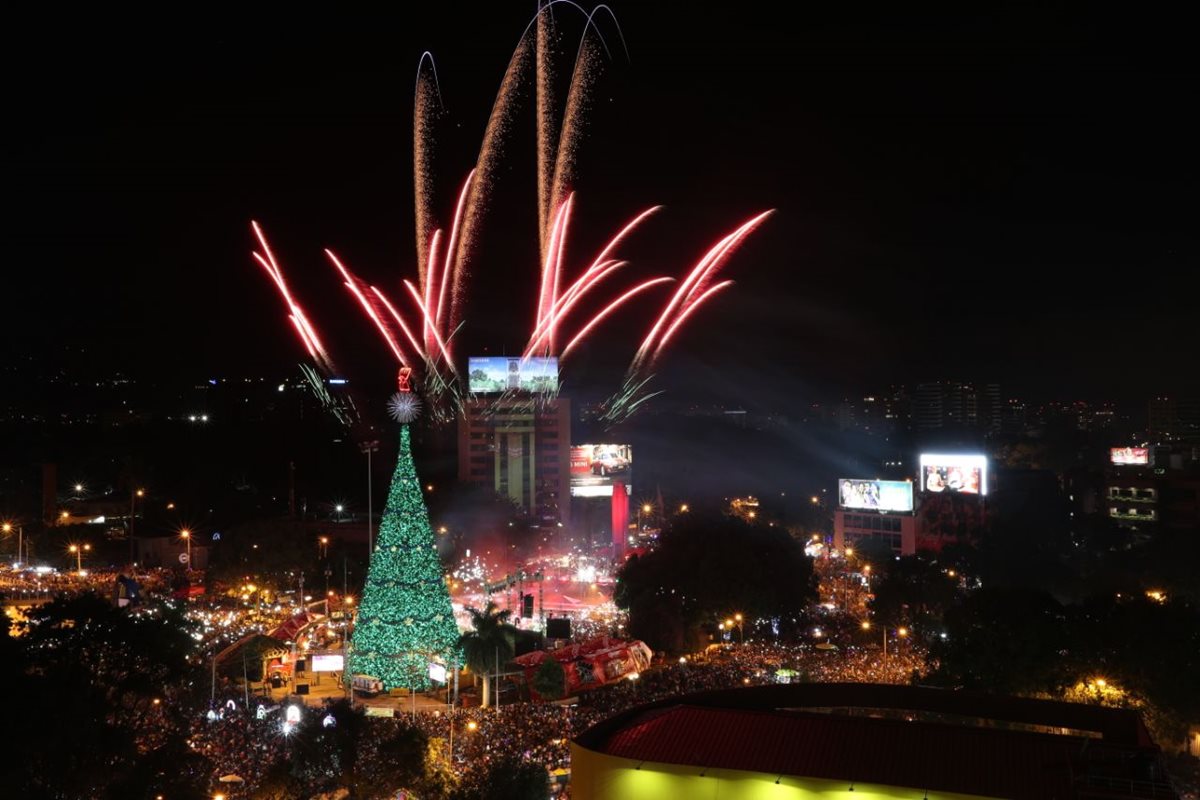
1130, 455
875, 495
954, 474
495, 374
327, 663
594, 468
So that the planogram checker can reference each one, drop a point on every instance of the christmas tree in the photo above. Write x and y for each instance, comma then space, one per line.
404, 620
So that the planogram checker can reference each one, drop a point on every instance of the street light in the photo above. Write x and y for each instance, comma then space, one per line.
8, 526
683, 509
186, 535
324, 542
738, 619
78, 551
339, 508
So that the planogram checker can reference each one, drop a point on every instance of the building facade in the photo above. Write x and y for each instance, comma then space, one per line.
521, 447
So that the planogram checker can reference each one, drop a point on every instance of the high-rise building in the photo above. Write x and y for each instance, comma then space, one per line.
958, 406
1174, 420
521, 447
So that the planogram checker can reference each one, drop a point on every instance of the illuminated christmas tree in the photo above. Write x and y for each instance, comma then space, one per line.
405, 620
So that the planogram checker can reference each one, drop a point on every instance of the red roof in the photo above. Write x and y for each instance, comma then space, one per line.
924, 755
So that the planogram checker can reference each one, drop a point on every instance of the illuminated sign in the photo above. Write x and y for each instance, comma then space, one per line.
437, 672
328, 663
1130, 455
954, 474
875, 495
596, 467
494, 374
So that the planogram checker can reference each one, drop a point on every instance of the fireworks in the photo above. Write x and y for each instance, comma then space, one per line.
436, 301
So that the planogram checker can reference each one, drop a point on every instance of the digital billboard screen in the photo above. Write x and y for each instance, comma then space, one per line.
495, 374
1137, 456
595, 467
875, 495
327, 663
954, 474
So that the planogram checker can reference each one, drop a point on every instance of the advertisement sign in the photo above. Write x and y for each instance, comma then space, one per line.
1137, 456
954, 474
332, 662
875, 495
437, 672
495, 374
594, 468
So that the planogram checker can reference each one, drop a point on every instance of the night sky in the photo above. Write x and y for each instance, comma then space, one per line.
1008, 199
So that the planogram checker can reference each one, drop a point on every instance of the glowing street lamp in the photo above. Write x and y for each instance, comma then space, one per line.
324, 542
186, 535
683, 509
8, 527
78, 551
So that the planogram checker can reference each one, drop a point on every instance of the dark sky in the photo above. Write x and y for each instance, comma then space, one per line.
991, 197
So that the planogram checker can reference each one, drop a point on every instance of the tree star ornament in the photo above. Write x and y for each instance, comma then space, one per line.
404, 407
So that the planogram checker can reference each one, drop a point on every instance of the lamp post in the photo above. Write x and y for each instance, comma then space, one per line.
368, 448
646, 508
78, 551
186, 535
134, 494
8, 526
324, 544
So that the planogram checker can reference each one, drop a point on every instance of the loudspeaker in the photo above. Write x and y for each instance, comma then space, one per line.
558, 628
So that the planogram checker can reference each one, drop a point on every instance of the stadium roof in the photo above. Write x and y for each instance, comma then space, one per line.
928, 739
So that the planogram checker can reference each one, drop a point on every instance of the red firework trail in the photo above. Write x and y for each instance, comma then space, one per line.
304, 329
352, 284
399, 321
600, 268
613, 306
445, 351
687, 294
569, 300
451, 269
687, 312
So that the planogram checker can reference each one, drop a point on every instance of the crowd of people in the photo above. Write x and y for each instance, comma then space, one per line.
238, 742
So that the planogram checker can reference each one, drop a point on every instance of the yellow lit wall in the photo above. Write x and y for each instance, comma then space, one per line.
597, 776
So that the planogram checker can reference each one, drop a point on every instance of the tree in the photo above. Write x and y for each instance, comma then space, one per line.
915, 590
108, 688
550, 679
707, 568
490, 645
1003, 640
405, 618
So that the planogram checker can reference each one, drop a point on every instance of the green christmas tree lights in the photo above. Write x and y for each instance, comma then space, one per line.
405, 620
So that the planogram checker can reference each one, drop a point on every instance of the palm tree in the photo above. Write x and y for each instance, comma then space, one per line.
490, 645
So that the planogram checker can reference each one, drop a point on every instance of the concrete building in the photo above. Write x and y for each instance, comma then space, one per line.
521, 447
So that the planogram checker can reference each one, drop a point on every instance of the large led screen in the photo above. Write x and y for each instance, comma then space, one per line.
954, 474
327, 663
1130, 455
494, 374
596, 467
875, 495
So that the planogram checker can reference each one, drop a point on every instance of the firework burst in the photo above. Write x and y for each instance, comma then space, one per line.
419, 332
